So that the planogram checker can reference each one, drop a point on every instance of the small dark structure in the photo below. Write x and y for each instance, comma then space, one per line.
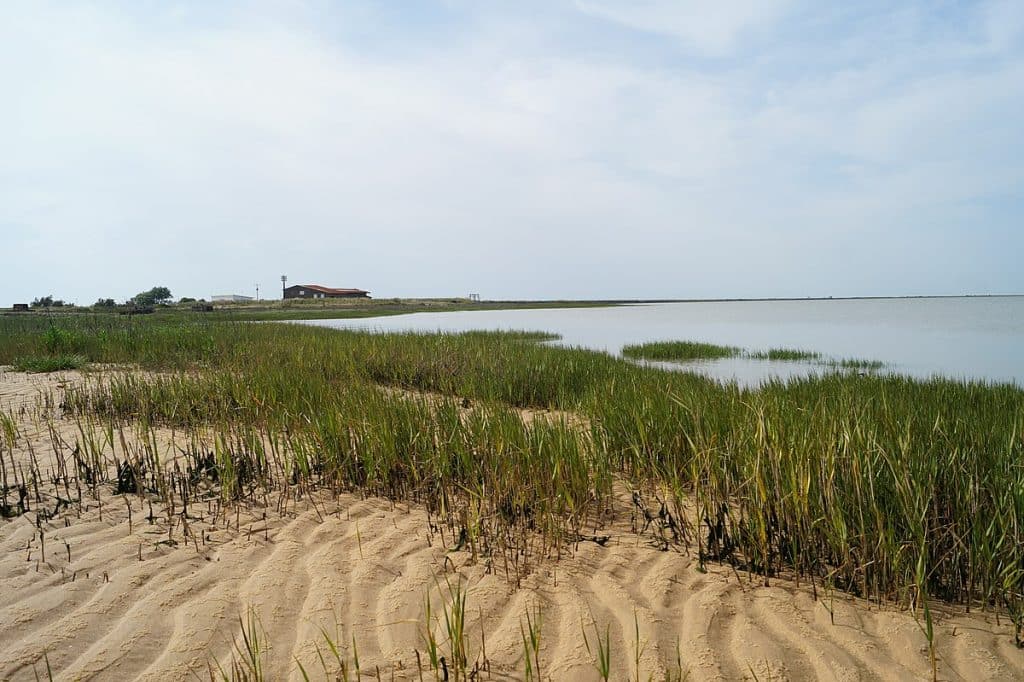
304, 291
20, 307
202, 307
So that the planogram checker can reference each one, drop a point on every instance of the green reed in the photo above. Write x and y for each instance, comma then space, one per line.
679, 351
787, 354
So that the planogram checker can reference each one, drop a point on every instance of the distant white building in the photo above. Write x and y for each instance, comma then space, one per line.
230, 298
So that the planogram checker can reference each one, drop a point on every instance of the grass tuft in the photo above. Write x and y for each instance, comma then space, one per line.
677, 351
854, 363
787, 354
688, 351
40, 364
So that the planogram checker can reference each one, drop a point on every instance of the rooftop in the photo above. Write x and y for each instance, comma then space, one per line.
329, 290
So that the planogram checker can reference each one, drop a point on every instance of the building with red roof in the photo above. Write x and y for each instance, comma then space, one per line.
311, 291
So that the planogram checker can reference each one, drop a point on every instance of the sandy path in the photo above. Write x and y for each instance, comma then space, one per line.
362, 568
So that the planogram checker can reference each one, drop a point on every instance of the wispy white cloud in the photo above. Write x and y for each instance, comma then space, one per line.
707, 26
207, 152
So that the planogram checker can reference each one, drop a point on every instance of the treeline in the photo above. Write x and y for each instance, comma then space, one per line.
159, 295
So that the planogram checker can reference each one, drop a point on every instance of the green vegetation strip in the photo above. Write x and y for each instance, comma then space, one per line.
688, 351
680, 351
788, 354
883, 486
49, 363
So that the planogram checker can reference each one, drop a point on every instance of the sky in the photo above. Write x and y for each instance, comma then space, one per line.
536, 149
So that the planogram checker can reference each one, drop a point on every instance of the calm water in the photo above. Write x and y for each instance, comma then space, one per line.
974, 338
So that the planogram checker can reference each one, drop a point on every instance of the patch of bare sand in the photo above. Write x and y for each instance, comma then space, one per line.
111, 603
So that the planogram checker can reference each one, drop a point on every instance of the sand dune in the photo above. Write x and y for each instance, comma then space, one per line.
109, 602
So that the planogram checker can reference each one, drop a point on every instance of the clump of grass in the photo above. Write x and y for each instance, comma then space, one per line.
515, 335
530, 632
454, 610
788, 354
248, 651
40, 364
688, 351
61, 339
455, 643
855, 363
679, 351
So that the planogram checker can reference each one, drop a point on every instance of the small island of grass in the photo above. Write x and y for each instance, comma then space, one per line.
787, 354
857, 363
679, 351
688, 351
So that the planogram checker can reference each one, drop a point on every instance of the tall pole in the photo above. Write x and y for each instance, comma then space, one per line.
284, 281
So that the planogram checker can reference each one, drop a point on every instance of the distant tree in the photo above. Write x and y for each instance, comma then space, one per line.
186, 299
155, 296
160, 294
59, 303
43, 302
104, 303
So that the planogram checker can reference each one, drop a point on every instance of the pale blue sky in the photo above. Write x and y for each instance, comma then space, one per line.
536, 149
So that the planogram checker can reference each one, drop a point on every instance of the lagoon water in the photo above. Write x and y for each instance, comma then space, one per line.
970, 338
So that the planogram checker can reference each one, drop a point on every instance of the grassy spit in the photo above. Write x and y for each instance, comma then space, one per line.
887, 487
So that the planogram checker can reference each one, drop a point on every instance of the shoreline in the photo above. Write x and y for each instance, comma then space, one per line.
386, 307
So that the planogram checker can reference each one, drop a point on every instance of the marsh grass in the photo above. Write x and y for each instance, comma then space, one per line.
39, 364
688, 351
600, 651
785, 354
857, 364
679, 351
454, 612
885, 487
